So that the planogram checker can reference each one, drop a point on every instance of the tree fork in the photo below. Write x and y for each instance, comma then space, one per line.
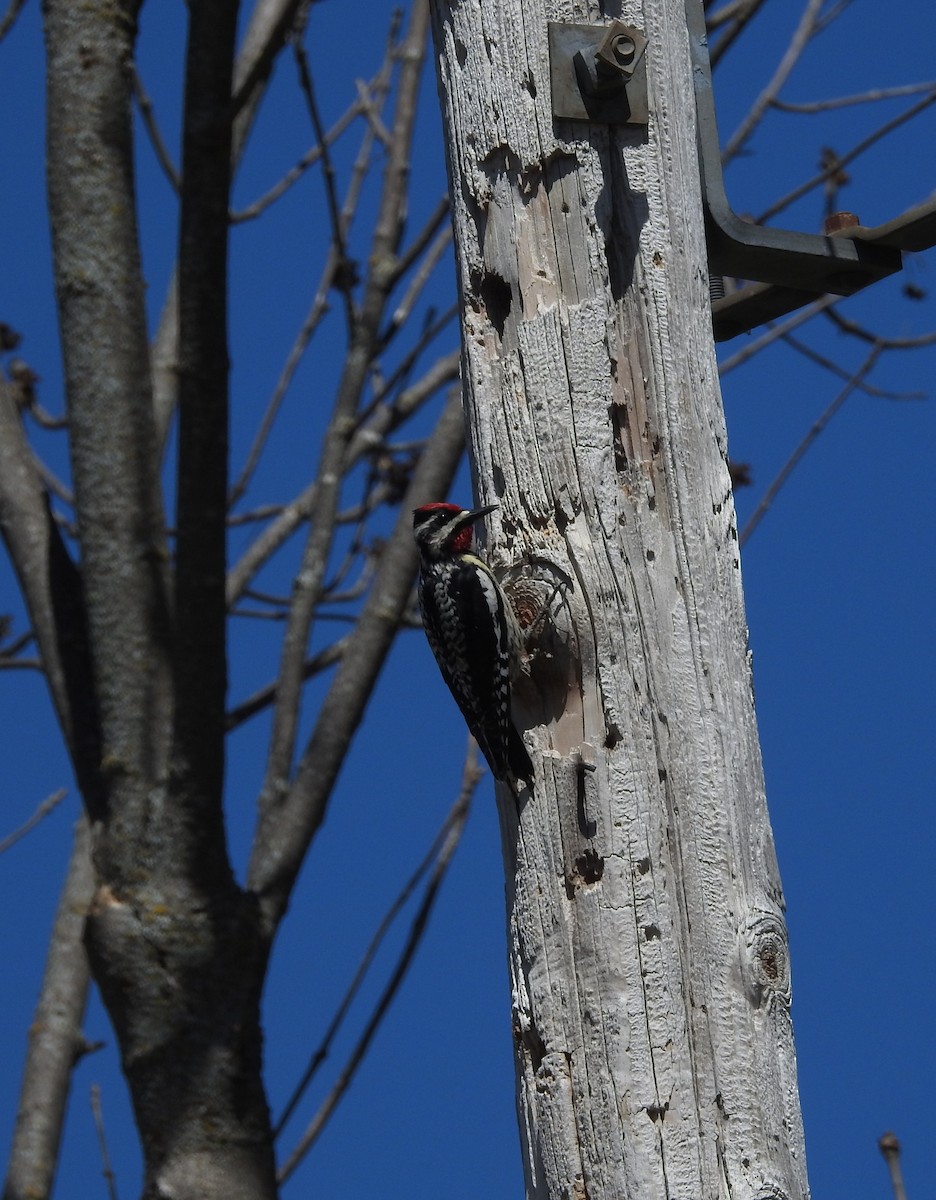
648, 953
174, 944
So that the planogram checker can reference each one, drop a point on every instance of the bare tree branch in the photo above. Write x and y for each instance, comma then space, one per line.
456, 823
828, 365
814, 431
97, 1113
434, 326
14, 8
364, 343
284, 832
917, 342
737, 13
264, 38
117, 492
53, 593
804, 31
420, 278
837, 162
869, 97
266, 696
775, 332
295, 173
341, 276
421, 241
200, 649
30, 824
163, 157
319, 306
55, 1037
890, 1148
369, 437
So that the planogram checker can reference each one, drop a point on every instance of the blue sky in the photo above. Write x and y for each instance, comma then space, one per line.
839, 580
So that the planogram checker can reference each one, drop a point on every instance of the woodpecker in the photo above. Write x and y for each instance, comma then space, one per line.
473, 633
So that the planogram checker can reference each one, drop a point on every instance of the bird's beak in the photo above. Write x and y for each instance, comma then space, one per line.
477, 513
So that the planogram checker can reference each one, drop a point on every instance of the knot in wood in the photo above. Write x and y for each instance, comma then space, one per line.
770, 1191
765, 959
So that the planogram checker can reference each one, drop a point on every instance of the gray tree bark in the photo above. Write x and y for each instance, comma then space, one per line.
132, 635
648, 951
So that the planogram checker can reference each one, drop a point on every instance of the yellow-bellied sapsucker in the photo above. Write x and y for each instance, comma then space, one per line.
473, 632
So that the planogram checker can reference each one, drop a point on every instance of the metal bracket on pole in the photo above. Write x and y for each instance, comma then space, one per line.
598, 73
791, 269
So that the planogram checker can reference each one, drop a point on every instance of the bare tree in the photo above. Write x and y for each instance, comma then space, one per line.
132, 596
133, 640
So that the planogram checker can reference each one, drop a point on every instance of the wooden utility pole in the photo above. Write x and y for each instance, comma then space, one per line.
648, 949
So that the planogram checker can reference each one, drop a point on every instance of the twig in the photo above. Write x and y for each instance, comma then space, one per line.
267, 598
317, 311
266, 696
309, 159
746, 10
14, 9
814, 431
363, 106
384, 419
418, 282
827, 364
10, 655
293, 514
869, 97
341, 276
355, 546
832, 14
263, 512
456, 823
728, 12
890, 1148
18, 644
55, 1041
422, 239
774, 333
804, 31
371, 113
454, 819
257, 614
30, 824
308, 582
20, 664
163, 157
835, 165
43, 418
98, 1114
917, 342
285, 833
433, 327
319, 306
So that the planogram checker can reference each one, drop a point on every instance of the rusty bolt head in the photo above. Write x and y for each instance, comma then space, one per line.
837, 221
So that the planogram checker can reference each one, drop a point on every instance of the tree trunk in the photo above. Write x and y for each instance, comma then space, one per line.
174, 945
648, 950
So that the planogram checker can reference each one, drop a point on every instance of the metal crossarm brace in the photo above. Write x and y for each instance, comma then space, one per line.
791, 268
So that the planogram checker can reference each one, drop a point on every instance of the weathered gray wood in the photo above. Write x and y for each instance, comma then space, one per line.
648, 950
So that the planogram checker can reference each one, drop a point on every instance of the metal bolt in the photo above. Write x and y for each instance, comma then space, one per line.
837, 221
623, 48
